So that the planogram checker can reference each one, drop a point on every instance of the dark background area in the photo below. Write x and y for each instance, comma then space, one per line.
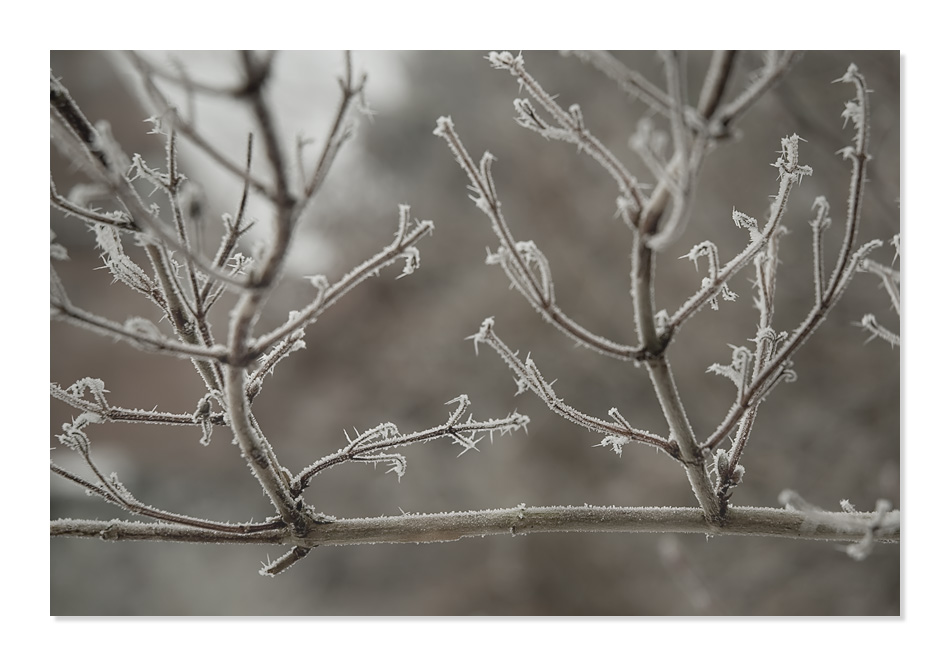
395, 351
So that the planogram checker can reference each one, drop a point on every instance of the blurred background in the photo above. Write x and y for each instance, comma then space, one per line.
395, 351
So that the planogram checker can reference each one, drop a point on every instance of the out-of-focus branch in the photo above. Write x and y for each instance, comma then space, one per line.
155, 343
777, 65
629, 80
163, 105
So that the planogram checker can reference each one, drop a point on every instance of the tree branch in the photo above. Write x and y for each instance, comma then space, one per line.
438, 527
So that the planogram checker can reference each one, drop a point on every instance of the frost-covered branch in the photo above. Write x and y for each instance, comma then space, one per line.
74, 396
629, 80
168, 267
523, 262
710, 120
163, 105
850, 258
790, 173
340, 130
116, 219
373, 446
891, 280
674, 193
403, 247
108, 165
883, 521
113, 491
133, 333
185, 292
869, 324
745, 366
520, 520
527, 376
570, 124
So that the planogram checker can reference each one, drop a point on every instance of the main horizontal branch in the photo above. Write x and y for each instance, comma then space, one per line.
429, 528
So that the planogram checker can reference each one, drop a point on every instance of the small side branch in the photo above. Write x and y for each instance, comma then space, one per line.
164, 106
850, 258
113, 491
882, 521
777, 65
340, 131
629, 80
74, 396
618, 433
869, 324
790, 173
891, 279
407, 235
571, 125
523, 262
117, 219
131, 334
374, 445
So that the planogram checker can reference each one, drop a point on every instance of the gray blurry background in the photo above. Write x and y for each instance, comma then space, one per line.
395, 351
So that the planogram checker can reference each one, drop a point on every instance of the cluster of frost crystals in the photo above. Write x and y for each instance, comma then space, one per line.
504, 60
739, 372
74, 436
788, 163
409, 252
709, 249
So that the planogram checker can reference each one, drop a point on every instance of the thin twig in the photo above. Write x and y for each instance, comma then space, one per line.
629, 80
405, 241
849, 260
368, 447
164, 106
79, 317
529, 377
514, 256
